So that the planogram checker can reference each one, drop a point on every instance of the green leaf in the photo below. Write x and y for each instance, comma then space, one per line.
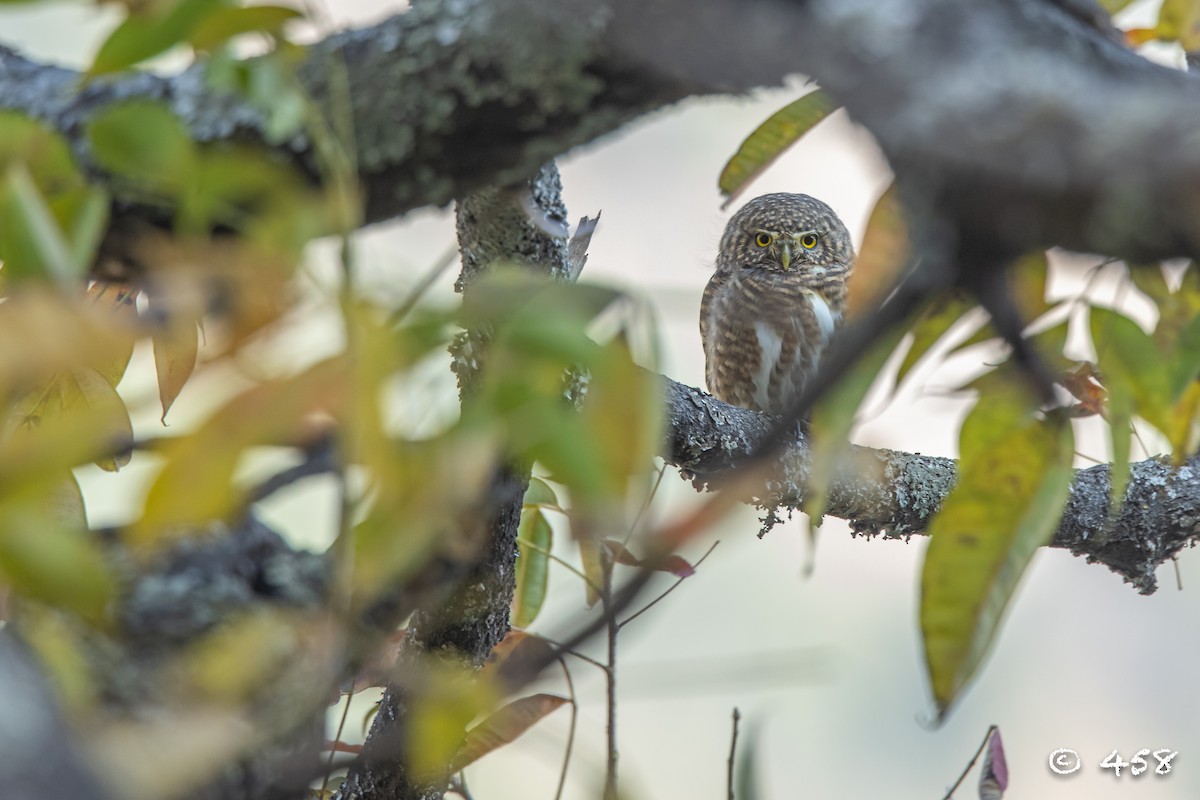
597, 565
931, 328
43, 152
1014, 479
1179, 20
1027, 279
145, 142
542, 494
1129, 357
768, 141
141, 37
833, 419
45, 558
534, 540
35, 246
225, 23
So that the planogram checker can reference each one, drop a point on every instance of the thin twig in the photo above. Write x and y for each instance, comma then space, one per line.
337, 738
987, 736
610, 676
319, 459
737, 717
562, 778
670, 589
662, 469
439, 267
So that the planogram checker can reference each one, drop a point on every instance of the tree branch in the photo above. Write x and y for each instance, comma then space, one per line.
895, 493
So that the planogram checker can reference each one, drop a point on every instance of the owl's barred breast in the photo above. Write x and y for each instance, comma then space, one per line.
774, 300
764, 334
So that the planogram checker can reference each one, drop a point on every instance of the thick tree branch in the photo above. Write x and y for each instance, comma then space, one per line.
896, 493
1000, 116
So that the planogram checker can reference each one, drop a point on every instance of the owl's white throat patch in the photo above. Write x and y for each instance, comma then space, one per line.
826, 320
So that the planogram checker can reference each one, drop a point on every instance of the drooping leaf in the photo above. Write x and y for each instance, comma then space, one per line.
175, 351
770, 139
1014, 477
597, 567
884, 254
1131, 364
833, 419
534, 540
196, 485
505, 726
930, 328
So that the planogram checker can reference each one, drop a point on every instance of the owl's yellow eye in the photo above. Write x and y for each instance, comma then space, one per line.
808, 241
764, 239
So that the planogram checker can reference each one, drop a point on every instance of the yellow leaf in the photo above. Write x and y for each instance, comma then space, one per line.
770, 139
504, 727
883, 255
175, 353
1014, 480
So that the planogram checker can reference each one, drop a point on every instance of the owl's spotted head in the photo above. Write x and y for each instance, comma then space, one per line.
786, 233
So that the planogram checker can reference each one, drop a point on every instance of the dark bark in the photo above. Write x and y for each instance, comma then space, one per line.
525, 224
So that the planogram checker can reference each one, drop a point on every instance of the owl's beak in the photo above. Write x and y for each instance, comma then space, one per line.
785, 254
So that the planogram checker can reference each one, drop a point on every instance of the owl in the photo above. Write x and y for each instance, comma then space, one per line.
774, 300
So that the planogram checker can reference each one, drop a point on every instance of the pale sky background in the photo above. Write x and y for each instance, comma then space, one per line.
827, 668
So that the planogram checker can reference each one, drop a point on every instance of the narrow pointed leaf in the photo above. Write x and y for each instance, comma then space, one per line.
46, 251
833, 419
505, 726
535, 537
930, 329
884, 254
1014, 479
175, 352
770, 139
597, 565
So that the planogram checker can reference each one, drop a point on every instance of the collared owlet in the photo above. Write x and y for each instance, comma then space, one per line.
775, 299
